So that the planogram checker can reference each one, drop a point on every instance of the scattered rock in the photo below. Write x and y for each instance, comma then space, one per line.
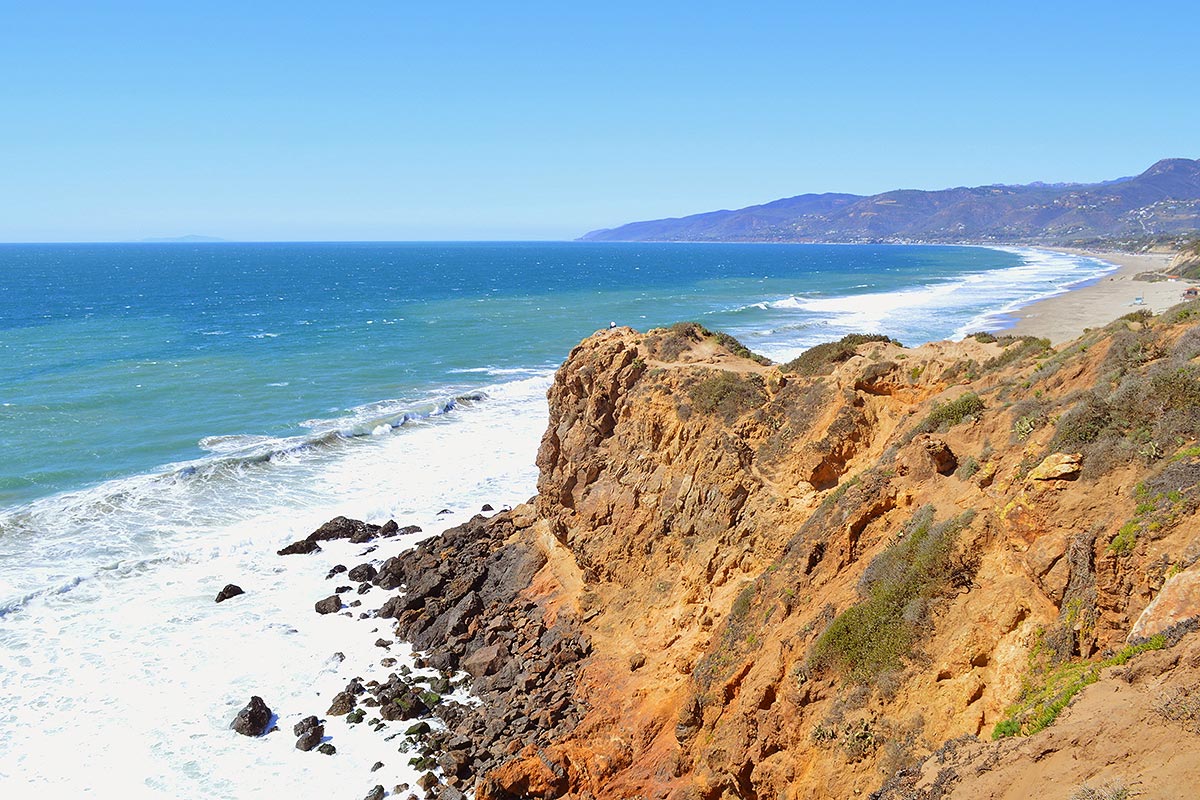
637, 661
252, 720
487, 507
420, 729
363, 572
309, 731
302, 547
329, 605
337, 570
230, 590
1058, 466
375, 794
343, 703
308, 723
327, 749
484, 661
378, 765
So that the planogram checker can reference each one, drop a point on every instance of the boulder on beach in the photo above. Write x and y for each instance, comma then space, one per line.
343, 703
329, 605
253, 719
230, 590
302, 547
309, 732
363, 572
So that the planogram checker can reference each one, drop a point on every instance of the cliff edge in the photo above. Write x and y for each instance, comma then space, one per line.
841, 576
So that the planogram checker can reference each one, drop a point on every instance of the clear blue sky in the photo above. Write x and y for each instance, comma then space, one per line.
529, 119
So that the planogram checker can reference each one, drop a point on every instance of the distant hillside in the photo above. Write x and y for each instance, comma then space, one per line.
1162, 201
191, 238
1187, 261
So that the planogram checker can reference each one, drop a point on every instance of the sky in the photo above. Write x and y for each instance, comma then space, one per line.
399, 120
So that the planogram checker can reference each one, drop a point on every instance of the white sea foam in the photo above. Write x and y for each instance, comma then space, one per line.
959, 305
116, 659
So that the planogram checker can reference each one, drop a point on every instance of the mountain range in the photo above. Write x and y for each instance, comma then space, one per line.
1162, 202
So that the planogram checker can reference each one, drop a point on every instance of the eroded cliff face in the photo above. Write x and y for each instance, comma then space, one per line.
785, 585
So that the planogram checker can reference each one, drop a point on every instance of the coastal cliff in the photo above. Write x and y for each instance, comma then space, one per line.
836, 577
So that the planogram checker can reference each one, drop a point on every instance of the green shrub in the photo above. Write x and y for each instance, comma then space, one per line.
821, 359
728, 394
1125, 539
947, 415
1025, 346
969, 466
738, 349
876, 634
1083, 424
1129, 351
983, 337
1184, 312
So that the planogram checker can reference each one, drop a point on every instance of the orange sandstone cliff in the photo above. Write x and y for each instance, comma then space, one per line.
839, 577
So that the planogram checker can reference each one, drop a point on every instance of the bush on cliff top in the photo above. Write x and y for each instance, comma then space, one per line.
876, 634
669, 342
821, 359
728, 394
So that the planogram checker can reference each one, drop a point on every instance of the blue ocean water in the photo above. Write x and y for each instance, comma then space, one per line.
170, 415
117, 359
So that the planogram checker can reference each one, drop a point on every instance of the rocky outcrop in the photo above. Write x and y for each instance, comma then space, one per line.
1177, 603
330, 605
230, 590
677, 613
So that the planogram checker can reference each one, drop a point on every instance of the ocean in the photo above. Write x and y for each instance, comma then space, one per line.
172, 414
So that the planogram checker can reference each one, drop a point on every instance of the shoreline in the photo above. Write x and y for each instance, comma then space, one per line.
1094, 304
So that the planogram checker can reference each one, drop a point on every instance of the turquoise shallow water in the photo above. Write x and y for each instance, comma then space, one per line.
118, 359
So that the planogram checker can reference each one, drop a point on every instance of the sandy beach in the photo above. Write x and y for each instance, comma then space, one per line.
1066, 316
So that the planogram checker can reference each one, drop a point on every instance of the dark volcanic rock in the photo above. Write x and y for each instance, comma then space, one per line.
487, 507
329, 605
375, 794
363, 572
306, 724
309, 732
327, 749
343, 528
252, 720
356, 531
302, 547
337, 570
463, 607
230, 590
343, 702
